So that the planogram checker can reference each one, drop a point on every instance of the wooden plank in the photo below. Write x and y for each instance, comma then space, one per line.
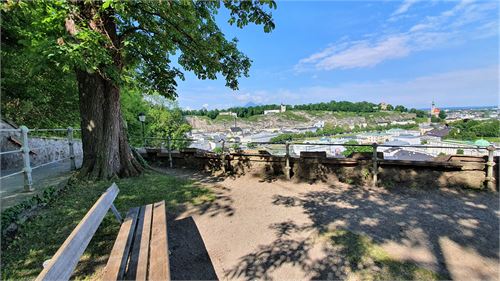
117, 262
158, 260
63, 263
138, 264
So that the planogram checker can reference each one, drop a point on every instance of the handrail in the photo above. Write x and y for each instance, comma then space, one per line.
25, 150
12, 174
39, 130
10, 151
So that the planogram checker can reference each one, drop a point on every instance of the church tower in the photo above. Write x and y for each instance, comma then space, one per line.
431, 112
282, 108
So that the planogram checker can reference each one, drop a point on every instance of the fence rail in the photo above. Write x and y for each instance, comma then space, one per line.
490, 150
26, 149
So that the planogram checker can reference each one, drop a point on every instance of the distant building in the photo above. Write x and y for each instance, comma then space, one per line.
404, 122
411, 139
434, 110
228, 113
424, 128
236, 130
382, 106
398, 132
319, 124
440, 133
272, 111
372, 137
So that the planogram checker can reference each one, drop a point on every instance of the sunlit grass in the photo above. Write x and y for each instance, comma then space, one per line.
368, 261
40, 237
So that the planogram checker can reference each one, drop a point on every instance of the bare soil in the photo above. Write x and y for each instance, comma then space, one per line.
272, 229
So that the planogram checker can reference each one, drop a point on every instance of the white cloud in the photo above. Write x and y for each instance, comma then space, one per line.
403, 8
467, 20
205, 105
456, 88
255, 97
366, 54
478, 86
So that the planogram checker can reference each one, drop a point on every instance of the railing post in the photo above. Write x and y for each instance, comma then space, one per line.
223, 158
71, 149
375, 164
287, 160
490, 179
169, 148
28, 180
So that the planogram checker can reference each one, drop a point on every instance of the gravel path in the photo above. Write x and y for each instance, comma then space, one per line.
263, 229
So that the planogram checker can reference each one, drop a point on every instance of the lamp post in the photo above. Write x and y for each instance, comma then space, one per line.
142, 118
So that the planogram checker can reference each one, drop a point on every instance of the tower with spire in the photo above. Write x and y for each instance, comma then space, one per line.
431, 112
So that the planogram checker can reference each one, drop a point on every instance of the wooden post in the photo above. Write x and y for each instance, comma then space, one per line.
287, 161
169, 148
223, 158
71, 149
490, 179
28, 180
375, 164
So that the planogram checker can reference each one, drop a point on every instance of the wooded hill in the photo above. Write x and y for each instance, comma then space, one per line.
332, 106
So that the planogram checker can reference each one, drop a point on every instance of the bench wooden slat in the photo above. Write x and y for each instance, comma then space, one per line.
117, 262
66, 258
138, 265
159, 268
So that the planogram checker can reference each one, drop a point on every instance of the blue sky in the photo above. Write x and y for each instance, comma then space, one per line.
402, 52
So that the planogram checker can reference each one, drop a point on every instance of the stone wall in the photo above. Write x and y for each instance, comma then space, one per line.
455, 171
43, 150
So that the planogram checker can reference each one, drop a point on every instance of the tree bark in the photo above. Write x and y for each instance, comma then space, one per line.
106, 152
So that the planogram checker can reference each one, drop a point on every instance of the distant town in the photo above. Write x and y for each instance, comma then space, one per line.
407, 134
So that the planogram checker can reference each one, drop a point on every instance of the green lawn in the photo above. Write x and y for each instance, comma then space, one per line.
368, 261
40, 237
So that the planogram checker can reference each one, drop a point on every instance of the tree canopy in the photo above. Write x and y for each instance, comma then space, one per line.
156, 40
474, 129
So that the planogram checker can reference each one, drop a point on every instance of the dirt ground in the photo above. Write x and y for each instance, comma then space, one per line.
270, 229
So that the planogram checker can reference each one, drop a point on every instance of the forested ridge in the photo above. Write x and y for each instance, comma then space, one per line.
333, 106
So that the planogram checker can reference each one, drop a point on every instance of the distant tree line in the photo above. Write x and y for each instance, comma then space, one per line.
334, 106
240, 111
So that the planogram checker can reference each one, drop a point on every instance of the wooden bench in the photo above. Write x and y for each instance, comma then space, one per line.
140, 251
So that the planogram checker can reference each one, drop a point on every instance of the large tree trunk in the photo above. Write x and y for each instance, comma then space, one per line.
106, 152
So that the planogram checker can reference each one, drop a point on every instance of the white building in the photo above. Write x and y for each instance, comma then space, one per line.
410, 139
319, 124
228, 113
272, 111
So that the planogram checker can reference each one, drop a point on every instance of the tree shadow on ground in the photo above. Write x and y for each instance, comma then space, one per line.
199, 176
409, 218
222, 203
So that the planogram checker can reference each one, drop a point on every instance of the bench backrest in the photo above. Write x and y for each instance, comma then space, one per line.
63, 263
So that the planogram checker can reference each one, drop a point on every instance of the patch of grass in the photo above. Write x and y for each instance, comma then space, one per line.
368, 261
289, 115
316, 113
492, 139
254, 118
40, 237
223, 118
